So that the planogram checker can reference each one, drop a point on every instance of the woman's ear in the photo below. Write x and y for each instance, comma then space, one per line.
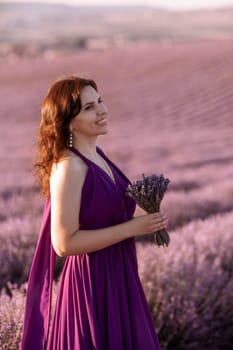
70, 127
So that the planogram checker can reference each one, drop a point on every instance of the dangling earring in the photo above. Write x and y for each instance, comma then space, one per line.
71, 140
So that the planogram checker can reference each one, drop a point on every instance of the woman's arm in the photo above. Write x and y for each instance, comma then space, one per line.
66, 184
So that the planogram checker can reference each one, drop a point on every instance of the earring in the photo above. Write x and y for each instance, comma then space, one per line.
71, 140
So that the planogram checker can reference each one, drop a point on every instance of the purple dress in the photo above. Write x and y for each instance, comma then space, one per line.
100, 301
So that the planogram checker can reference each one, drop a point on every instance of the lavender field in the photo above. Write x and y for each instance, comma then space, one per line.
171, 112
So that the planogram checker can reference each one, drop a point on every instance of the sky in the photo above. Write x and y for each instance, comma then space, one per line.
172, 4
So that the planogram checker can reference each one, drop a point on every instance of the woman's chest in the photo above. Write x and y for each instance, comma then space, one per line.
104, 202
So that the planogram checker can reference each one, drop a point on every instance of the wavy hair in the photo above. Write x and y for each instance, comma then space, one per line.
61, 104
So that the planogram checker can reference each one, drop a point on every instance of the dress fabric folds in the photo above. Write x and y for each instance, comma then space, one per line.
100, 302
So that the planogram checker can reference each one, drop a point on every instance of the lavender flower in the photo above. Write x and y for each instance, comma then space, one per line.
148, 194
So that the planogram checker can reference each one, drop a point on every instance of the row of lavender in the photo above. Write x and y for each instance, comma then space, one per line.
19, 231
189, 288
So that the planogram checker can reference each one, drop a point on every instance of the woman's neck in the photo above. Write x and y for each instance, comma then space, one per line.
87, 148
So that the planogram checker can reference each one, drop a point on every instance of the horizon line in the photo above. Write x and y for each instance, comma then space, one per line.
161, 6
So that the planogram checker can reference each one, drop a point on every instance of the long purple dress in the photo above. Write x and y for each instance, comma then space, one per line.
100, 302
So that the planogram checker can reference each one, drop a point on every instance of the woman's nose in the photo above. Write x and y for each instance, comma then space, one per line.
102, 109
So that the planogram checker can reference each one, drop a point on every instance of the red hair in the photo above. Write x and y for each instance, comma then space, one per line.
61, 104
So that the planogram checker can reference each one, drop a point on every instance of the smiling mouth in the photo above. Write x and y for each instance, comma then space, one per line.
102, 121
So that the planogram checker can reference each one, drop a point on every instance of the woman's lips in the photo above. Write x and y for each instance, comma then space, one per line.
102, 121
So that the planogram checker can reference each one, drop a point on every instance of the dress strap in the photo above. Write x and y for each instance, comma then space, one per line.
85, 159
78, 153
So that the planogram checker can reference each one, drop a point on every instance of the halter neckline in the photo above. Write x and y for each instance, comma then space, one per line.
87, 160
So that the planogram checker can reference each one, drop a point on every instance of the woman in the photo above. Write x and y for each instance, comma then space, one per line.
88, 219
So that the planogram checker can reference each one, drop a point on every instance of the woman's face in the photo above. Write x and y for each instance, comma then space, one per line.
92, 118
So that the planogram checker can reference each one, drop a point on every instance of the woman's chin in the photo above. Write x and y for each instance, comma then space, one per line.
103, 130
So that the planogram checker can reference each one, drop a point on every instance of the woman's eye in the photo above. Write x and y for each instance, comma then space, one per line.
88, 107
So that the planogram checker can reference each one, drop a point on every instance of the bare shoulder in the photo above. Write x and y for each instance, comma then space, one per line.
69, 171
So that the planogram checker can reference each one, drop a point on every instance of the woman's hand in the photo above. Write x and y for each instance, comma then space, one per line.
148, 223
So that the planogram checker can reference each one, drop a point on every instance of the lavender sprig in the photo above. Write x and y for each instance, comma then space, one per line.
148, 194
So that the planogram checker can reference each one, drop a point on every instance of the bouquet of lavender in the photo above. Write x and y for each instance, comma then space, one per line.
148, 194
